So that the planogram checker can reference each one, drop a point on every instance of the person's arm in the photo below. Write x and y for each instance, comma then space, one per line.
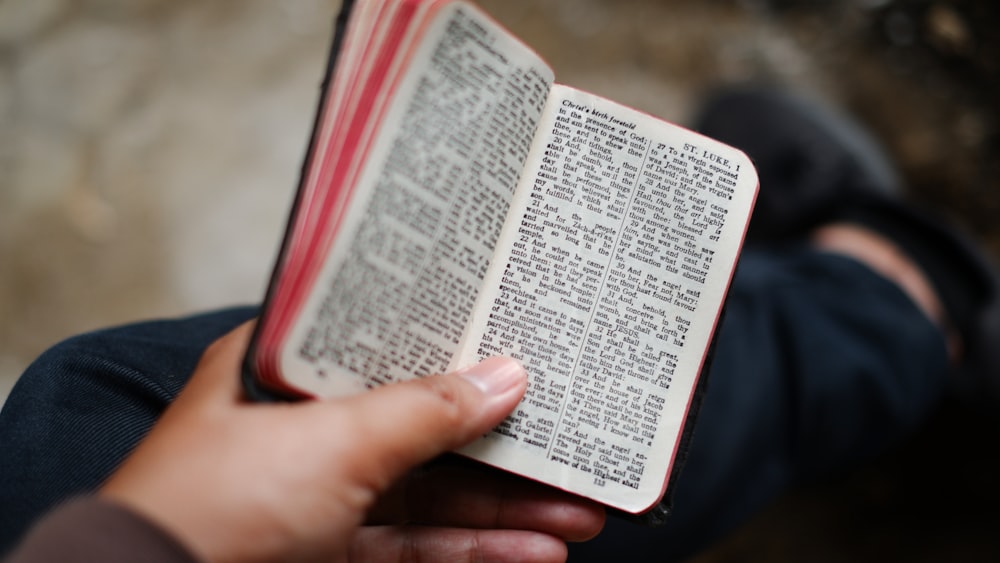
238, 481
95, 529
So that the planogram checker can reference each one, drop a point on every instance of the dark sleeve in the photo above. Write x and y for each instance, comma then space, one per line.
93, 529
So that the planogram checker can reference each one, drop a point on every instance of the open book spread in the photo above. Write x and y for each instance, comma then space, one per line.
457, 204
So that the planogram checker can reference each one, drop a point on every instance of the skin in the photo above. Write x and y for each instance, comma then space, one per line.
334, 480
887, 259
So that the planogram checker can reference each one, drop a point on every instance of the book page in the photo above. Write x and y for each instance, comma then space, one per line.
616, 258
396, 291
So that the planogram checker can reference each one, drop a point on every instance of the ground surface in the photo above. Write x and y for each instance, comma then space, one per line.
148, 151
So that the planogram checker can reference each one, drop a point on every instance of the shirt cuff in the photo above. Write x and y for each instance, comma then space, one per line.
96, 529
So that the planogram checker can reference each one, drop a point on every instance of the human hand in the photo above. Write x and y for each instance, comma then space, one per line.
330, 479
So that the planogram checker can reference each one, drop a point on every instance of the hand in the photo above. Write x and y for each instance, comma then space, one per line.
236, 481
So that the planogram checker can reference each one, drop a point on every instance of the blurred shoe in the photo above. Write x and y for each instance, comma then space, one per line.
818, 167
808, 157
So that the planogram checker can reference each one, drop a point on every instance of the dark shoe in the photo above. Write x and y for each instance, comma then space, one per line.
807, 156
818, 167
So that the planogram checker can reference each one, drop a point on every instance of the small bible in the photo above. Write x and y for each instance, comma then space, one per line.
455, 203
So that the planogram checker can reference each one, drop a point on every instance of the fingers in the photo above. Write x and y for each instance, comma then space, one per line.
443, 544
377, 436
217, 373
476, 497
397, 427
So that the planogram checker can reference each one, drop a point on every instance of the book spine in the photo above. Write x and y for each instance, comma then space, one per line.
250, 375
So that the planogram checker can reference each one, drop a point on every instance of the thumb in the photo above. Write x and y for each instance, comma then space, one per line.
399, 426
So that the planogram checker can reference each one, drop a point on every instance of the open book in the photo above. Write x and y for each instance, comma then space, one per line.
457, 204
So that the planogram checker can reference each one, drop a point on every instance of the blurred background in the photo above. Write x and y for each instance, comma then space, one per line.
149, 150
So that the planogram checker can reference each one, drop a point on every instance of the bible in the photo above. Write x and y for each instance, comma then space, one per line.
455, 203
